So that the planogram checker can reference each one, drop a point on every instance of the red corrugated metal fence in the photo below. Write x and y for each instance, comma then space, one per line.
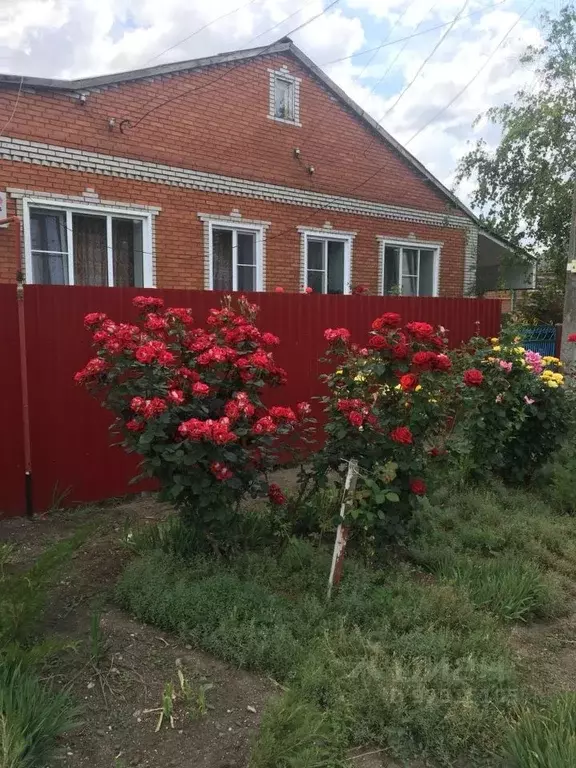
71, 451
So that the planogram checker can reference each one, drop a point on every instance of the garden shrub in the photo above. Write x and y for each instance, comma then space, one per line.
557, 479
388, 409
516, 410
188, 400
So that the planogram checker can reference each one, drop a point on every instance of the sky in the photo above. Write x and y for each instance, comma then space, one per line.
406, 85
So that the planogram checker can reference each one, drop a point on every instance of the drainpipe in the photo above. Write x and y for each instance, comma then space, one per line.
16, 220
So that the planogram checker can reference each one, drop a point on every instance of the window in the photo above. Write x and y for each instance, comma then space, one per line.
284, 97
327, 262
84, 246
235, 257
410, 269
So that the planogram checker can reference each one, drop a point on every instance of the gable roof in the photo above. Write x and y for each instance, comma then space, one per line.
285, 45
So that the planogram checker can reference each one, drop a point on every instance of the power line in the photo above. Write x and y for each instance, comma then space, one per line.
201, 29
474, 77
233, 67
412, 36
7, 123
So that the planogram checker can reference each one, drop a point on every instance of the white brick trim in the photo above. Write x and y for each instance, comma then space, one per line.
283, 74
18, 150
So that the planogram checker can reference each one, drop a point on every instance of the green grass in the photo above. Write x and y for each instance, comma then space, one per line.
545, 738
411, 657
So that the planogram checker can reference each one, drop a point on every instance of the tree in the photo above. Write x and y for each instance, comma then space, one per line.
524, 186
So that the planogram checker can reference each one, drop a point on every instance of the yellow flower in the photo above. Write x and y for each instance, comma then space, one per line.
523, 363
491, 359
417, 388
553, 384
359, 377
432, 400
519, 350
494, 340
497, 348
547, 374
397, 386
339, 372
550, 359
558, 377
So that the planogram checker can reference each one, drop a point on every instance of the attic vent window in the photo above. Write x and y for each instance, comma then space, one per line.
284, 102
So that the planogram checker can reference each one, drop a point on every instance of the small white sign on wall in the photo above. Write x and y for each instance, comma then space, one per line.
3, 207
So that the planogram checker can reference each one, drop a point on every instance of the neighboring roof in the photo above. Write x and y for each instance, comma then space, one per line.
285, 45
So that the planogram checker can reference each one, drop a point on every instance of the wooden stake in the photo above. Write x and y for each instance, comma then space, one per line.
342, 531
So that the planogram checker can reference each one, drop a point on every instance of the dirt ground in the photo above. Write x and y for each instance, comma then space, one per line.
120, 696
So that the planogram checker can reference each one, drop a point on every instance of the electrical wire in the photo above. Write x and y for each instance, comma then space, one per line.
7, 123
200, 29
230, 69
474, 77
412, 36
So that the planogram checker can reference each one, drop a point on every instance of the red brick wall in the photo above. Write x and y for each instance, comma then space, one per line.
179, 232
225, 129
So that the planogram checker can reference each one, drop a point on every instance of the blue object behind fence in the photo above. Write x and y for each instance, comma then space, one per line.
540, 338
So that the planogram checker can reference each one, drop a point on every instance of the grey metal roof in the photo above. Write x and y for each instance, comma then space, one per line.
285, 45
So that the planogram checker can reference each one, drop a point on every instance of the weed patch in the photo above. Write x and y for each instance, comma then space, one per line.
545, 738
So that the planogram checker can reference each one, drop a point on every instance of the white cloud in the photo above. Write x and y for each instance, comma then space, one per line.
73, 38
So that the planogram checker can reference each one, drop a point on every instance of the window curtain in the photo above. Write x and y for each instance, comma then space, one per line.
409, 272
123, 250
222, 259
49, 247
90, 253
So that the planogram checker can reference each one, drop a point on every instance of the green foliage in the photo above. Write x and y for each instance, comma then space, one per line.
387, 409
545, 738
519, 413
189, 401
296, 734
556, 479
523, 188
32, 717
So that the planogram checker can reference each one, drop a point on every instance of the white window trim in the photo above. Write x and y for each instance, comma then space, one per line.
97, 210
327, 234
284, 74
235, 224
407, 243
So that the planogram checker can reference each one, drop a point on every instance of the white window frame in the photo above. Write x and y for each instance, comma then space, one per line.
436, 247
103, 211
242, 227
325, 235
284, 74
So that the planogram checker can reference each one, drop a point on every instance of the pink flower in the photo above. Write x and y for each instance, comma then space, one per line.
279, 289
309, 290
200, 389
337, 334
303, 409
505, 366
264, 426
534, 361
529, 400
176, 396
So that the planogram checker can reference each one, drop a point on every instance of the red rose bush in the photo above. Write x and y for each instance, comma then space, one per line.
385, 409
188, 400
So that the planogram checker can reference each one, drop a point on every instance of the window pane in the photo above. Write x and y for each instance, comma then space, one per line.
409, 261
222, 259
315, 248
391, 271
410, 285
335, 267
283, 99
315, 281
426, 273
127, 252
90, 253
246, 278
50, 268
48, 230
246, 249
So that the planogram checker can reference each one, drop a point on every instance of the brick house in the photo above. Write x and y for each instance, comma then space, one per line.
246, 170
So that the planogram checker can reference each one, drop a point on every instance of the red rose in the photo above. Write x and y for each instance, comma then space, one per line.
387, 320
355, 418
279, 289
337, 334
473, 377
200, 389
232, 410
421, 331
424, 359
572, 337
220, 471
377, 342
134, 426
409, 381
92, 319
270, 339
176, 396
303, 409
359, 290
442, 363
402, 435
275, 494
149, 303
418, 487
400, 351
283, 413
